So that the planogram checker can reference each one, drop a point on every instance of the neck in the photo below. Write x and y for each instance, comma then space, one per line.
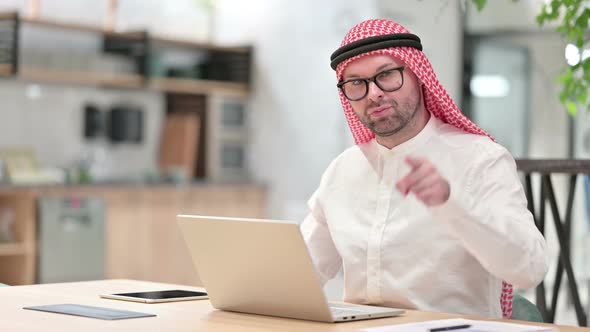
414, 127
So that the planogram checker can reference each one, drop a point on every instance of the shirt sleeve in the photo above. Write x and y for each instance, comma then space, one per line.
316, 234
491, 219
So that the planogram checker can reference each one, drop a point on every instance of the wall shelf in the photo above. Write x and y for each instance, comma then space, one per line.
138, 35
206, 46
126, 81
179, 85
48, 23
227, 73
45, 75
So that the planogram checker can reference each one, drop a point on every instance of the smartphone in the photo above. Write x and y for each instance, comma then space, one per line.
158, 296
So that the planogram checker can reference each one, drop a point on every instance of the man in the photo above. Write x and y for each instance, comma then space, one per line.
426, 211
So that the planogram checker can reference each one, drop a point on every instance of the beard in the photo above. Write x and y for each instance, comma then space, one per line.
403, 114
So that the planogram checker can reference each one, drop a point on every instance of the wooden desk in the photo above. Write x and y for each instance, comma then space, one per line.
175, 316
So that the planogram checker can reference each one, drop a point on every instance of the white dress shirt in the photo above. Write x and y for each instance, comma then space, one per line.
397, 252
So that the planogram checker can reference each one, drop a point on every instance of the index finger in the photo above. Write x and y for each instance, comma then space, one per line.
414, 162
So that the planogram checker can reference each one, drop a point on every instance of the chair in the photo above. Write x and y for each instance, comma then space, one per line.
523, 309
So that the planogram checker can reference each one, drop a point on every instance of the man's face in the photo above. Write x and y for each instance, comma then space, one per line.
384, 113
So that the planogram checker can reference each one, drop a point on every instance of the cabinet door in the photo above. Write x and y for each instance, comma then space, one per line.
17, 247
71, 239
143, 238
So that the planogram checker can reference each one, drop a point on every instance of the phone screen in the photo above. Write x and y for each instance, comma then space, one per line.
167, 294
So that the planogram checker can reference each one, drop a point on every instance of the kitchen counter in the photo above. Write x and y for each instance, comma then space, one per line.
142, 240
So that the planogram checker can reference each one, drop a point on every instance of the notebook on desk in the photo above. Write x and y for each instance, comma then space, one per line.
263, 267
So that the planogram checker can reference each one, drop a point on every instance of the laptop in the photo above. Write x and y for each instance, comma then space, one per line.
263, 267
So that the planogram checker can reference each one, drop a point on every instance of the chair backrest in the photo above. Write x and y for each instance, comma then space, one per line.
523, 309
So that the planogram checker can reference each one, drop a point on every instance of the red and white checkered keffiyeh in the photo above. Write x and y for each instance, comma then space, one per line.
436, 98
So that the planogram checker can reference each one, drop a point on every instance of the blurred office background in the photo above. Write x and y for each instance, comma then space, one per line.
117, 115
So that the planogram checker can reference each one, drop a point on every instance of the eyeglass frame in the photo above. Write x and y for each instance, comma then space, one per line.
374, 80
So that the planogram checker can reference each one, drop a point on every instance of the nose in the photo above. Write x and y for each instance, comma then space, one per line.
375, 93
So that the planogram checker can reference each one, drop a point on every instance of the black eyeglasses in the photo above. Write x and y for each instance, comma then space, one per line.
388, 80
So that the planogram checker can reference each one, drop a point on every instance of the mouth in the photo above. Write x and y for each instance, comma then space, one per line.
379, 111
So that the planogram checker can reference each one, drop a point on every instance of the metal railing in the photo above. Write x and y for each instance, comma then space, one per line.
545, 168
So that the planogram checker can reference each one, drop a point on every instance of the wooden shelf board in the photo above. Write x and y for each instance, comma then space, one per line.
199, 45
8, 15
45, 22
198, 86
62, 25
12, 249
78, 77
131, 81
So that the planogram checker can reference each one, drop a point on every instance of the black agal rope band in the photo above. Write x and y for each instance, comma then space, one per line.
374, 43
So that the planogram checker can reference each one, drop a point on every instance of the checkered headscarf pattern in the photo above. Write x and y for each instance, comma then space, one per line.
436, 98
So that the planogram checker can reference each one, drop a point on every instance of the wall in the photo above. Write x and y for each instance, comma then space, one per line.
49, 119
506, 16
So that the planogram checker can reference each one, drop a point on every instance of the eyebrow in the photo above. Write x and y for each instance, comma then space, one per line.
380, 68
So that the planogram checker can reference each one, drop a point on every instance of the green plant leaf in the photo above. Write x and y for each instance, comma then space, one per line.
567, 77
562, 97
583, 95
582, 20
479, 4
555, 4
571, 108
571, 34
561, 78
